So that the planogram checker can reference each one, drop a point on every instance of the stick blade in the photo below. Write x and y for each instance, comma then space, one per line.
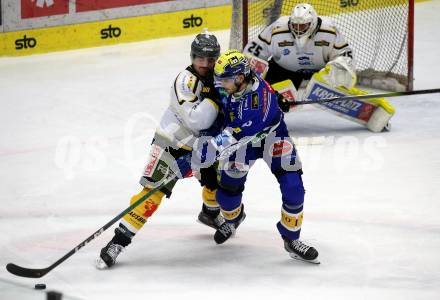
25, 272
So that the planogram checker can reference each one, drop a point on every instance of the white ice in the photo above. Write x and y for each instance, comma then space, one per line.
75, 129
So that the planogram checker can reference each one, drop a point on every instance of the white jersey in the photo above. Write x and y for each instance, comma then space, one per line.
188, 112
276, 41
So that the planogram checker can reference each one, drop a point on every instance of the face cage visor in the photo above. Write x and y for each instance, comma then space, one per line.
219, 81
299, 29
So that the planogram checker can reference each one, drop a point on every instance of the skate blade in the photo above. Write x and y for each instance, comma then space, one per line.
314, 261
100, 264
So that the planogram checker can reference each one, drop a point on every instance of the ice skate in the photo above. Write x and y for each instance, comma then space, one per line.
211, 217
299, 250
226, 230
108, 255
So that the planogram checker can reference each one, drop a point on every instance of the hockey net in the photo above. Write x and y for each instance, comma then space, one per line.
379, 31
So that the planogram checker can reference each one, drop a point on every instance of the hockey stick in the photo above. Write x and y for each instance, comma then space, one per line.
368, 96
37, 273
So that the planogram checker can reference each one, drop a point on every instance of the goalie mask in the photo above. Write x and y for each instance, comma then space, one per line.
205, 44
302, 23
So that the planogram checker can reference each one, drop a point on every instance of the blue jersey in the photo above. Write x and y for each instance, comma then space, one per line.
255, 111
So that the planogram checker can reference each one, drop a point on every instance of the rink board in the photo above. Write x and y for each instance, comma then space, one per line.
116, 31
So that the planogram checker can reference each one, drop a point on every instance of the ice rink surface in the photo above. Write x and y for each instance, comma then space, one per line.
74, 138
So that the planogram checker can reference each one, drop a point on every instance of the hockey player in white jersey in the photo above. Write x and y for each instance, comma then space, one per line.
305, 46
193, 111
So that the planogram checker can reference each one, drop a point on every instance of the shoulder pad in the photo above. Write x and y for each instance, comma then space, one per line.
187, 81
327, 25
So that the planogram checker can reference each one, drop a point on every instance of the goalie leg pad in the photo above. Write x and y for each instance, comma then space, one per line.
359, 111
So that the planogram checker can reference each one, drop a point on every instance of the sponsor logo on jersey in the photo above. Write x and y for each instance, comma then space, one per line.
190, 83
255, 101
110, 32
264, 92
304, 61
192, 21
280, 148
286, 43
321, 43
25, 43
286, 51
154, 158
137, 217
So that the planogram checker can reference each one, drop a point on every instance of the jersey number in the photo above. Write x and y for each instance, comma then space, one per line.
255, 49
347, 53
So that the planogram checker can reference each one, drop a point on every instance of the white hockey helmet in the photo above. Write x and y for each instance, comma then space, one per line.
303, 22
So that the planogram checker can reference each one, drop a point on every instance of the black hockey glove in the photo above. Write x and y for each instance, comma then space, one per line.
283, 103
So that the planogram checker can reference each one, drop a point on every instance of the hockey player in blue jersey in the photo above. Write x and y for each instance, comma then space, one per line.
254, 129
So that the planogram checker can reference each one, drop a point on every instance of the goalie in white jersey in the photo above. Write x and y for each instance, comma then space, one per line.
305, 46
193, 111
299, 45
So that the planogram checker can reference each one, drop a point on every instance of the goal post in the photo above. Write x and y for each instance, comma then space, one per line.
381, 33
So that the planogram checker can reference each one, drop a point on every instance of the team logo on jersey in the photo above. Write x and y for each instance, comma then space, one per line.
286, 43
322, 43
232, 116
280, 148
286, 51
190, 83
255, 101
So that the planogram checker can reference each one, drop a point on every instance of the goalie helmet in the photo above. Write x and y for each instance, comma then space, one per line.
231, 64
205, 44
303, 22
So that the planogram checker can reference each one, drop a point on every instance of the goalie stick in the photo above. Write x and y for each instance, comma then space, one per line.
37, 273
368, 96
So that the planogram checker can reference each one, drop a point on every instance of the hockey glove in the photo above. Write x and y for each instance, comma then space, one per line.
283, 103
341, 72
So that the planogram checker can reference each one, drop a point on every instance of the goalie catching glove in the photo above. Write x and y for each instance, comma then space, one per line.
340, 72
